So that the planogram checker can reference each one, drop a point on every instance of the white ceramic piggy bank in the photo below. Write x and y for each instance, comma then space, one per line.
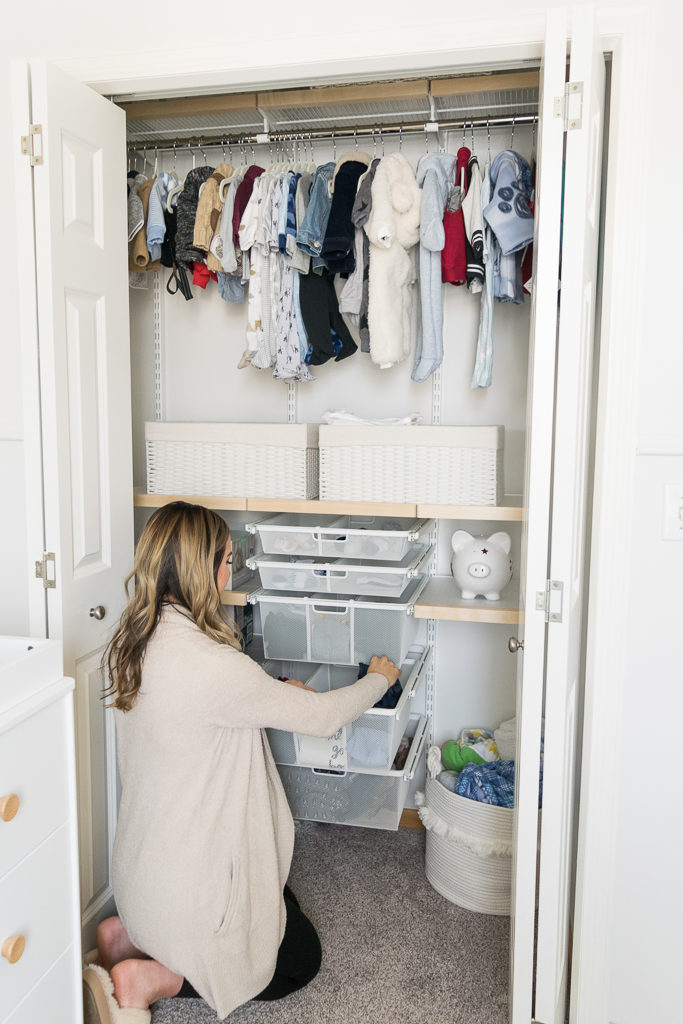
481, 565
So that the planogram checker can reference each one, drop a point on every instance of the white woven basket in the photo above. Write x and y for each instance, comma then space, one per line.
425, 464
250, 460
468, 852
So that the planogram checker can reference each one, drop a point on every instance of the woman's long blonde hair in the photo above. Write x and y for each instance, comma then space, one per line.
177, 559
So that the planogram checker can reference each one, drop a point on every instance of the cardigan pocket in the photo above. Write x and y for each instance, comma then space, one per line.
231, 904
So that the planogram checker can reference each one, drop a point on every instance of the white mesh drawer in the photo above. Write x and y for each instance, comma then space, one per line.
378, 579
371, 538
338, 630
373, 799
369, 742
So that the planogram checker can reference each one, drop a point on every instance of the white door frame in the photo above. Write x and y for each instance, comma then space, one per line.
623, 32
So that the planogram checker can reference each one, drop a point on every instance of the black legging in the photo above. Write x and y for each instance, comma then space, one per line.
298, 958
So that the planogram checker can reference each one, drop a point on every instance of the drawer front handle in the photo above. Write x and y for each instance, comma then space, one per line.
9, 805
13, 948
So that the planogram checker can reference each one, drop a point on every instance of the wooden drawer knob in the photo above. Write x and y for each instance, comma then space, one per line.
13, 948
9, 805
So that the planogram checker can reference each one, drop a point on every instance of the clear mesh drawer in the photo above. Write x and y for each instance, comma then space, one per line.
371, 798
369, 742
372, 538
380, 579
338, 630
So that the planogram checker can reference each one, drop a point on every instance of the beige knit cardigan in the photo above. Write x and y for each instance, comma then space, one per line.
204, 837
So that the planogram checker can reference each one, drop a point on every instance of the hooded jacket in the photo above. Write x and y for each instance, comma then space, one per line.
186, 251
393, 228
435, 174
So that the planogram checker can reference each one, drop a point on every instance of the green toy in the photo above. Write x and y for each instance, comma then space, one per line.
455, 758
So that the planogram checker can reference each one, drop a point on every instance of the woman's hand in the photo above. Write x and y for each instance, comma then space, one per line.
385, 668
302, 686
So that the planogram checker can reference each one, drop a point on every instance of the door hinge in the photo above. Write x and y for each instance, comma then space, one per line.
550, 600
32, 144
46, 570
569, 106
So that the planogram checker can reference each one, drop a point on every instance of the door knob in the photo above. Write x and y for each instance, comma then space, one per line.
13, 948
98, 612
515, 645
9, 805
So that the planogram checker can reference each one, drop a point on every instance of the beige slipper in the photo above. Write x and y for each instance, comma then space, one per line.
99, 1002
91, 956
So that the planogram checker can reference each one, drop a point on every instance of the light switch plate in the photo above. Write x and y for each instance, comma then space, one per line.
673, 512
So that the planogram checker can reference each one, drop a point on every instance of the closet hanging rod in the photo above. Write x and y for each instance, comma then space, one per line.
168, 144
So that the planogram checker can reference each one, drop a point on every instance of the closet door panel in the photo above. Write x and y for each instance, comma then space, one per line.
568, 528
82, 302
535, 534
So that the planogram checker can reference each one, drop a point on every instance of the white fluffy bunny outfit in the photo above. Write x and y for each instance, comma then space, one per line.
393, 228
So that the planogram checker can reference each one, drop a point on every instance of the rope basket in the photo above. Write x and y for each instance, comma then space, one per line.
468, 853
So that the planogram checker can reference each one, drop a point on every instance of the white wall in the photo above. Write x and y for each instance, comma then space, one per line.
647, 907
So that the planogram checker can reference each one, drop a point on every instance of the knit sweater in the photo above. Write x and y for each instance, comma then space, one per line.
204, 837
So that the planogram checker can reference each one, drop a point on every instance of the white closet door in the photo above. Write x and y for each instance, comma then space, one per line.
534, 563
568, 528
82, 301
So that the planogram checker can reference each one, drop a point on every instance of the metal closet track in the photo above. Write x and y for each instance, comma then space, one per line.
168, 143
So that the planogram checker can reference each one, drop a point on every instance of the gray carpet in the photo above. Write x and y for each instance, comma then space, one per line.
393, 949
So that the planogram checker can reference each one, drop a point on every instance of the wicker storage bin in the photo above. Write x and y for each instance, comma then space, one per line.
425, 464
239, 460
468, 850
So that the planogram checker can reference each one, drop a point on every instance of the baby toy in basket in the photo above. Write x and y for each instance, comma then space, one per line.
481, 565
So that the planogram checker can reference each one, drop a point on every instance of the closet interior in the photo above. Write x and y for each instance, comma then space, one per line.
188, 366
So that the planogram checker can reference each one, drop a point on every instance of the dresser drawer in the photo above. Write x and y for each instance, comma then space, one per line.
36, 902
56, 999
34, 765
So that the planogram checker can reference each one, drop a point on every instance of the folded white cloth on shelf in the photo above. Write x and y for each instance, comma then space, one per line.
340, 417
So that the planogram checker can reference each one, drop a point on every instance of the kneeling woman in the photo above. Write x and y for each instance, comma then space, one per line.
204, 837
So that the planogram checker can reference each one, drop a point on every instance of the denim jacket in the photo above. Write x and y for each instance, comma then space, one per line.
311, 233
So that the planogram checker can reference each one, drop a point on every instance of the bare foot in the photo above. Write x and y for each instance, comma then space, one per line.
139, 983
113, 944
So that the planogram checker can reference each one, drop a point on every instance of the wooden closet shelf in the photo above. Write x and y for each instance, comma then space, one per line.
491, 513
441, 600
240, 596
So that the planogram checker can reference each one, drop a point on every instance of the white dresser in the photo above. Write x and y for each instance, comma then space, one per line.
40, 973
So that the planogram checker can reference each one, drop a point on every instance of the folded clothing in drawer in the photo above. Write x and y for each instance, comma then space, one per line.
369, 742
338, 630
371, 538
372, 798
379, 579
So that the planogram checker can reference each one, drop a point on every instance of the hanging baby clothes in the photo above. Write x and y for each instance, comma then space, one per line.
337, 247
186, 251
311, 232
511, 221
481, 378
454, 253
289, 364
393, 228
328, 335
434, 176
156, 222
139, 258
223, 255
242, 197
301, 260
474, 234
359, 215
136, 217
257, 281
528, 254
